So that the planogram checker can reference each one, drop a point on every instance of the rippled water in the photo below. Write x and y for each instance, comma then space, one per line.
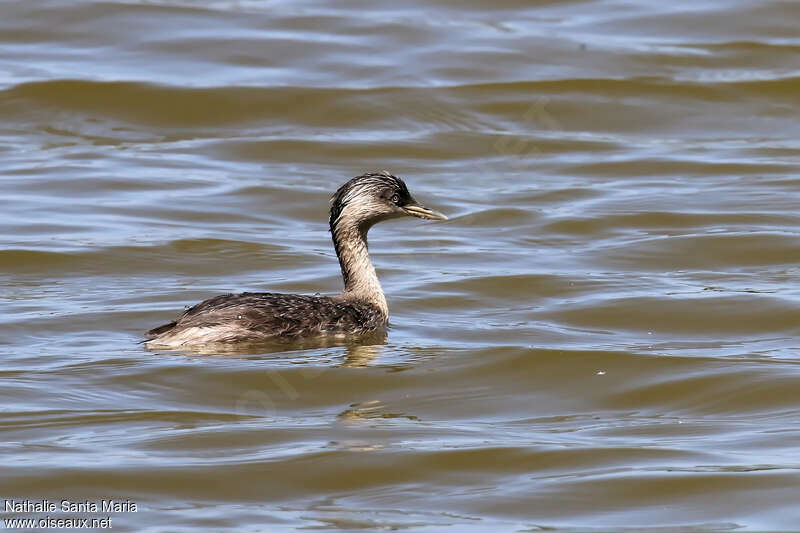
603, 336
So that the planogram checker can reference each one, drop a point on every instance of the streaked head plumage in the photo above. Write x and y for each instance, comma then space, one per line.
376, 196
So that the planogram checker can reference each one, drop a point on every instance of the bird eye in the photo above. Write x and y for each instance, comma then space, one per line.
395, 199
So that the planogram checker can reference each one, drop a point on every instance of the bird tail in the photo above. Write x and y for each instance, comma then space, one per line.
155, 332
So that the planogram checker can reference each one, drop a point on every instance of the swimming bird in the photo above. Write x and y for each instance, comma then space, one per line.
252, 317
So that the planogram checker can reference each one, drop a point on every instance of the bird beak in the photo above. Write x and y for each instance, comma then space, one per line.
416, 210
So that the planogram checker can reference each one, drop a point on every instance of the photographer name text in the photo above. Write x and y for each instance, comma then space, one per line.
69, 506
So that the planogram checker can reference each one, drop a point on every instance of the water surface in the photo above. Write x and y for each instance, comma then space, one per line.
602, 336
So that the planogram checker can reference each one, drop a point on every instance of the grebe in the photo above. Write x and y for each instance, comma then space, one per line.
361, 308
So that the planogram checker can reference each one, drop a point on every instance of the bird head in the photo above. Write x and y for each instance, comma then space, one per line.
373, 197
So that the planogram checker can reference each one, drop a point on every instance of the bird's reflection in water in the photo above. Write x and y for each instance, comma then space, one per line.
361, 350
362, 354
370, 410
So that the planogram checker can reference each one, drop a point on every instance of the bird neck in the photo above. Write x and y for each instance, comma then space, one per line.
360, 279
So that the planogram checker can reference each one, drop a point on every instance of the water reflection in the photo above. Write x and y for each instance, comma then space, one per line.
361, 350
363, 354
370, 409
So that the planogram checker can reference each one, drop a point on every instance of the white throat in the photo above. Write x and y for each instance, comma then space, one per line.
360, 279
